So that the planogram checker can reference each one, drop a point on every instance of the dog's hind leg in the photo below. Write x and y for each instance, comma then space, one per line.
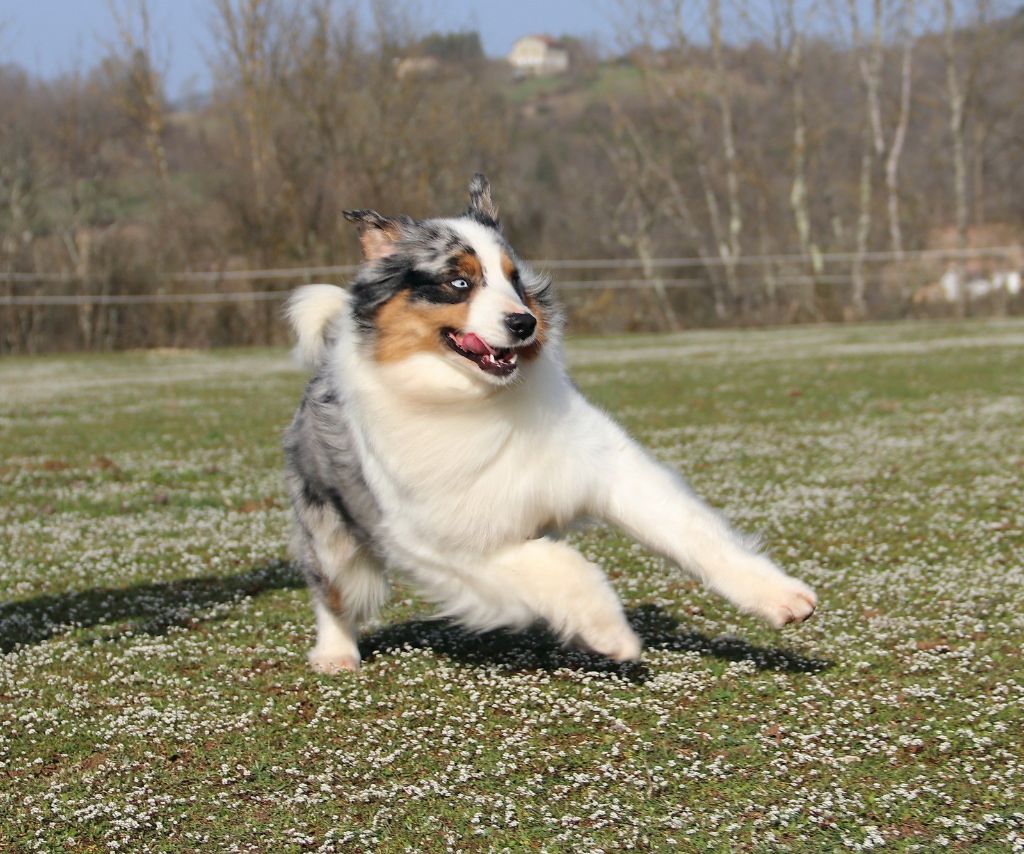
548, 580
347, 587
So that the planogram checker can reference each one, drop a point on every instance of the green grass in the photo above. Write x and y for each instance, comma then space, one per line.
154, 694
605, 81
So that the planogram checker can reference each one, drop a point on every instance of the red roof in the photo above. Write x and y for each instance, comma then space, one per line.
550, 41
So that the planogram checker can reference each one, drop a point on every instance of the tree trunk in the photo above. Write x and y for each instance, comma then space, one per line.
729, 251
870, 65
247, 43
652, 275
858, 300
824, 301
892, 162
955, 97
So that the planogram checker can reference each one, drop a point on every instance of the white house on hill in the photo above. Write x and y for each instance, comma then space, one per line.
539, 55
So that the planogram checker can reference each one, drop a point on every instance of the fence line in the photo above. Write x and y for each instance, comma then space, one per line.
143, 299
307, 273
260, 296
743, 260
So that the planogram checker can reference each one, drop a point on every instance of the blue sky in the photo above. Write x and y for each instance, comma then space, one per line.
48, 37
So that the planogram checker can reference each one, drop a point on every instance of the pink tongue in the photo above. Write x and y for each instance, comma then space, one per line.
475, 344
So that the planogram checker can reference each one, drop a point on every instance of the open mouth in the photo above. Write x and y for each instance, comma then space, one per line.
500, 362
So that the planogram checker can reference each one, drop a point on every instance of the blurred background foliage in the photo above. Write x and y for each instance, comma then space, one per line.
844, 136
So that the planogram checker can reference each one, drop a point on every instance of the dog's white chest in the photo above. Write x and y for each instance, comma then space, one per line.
469, 478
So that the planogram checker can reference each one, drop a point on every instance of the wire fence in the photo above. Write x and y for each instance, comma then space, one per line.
297, 275
259, 296
123, 308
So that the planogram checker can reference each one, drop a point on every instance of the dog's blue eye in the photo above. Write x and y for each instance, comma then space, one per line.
459, 284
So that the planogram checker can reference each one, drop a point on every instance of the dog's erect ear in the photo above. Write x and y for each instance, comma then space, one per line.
377, 233
481, 207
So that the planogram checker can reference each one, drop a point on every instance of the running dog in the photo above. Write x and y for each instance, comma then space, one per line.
441, 440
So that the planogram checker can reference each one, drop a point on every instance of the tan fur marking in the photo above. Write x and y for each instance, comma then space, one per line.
508, 267
378, 242
468, 266
534, 349
333, 600
406, 327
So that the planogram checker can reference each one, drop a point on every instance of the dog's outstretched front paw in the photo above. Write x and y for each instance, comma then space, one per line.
333, 663
785, 600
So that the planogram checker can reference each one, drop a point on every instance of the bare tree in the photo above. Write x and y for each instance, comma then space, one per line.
955, 100
249, 43
684, 121
20, 194
982, 110
869, 62
793, 51
640, 208
723, 92
141, 97
899, 137
79, 162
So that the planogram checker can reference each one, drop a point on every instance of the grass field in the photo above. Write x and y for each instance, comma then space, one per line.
154, 694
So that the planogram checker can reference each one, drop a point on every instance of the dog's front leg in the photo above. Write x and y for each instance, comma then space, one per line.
652, 503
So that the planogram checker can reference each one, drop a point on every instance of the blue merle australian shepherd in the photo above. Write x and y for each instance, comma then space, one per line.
441, 441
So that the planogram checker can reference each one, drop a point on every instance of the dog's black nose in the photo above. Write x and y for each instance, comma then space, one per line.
521, 325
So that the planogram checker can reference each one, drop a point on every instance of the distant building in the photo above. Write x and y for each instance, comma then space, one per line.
417, 66
539, 55
994, 271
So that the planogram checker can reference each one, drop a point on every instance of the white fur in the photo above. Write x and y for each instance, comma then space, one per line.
471, 477
309, 311
498, 298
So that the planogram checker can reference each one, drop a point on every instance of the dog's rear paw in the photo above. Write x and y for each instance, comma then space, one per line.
333, 663
619, 643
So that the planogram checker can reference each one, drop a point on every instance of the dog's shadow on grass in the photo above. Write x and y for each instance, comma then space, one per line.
158, 606
147, 608
537, 649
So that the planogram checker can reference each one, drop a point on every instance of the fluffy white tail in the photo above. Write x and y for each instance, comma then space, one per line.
310, 311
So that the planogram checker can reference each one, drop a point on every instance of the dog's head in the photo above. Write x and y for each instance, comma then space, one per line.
450, 293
